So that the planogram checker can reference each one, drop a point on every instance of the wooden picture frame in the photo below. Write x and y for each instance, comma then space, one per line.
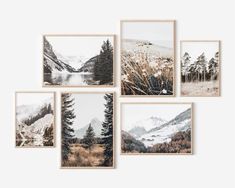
113, 132
37, 120
206, 87
144, 149
156, 81
69, 76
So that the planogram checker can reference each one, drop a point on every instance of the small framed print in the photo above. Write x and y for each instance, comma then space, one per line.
78, 60
35, 119
87, 130
200, 68
156, 128
147, 58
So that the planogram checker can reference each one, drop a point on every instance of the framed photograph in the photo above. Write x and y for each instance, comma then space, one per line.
35, 119
200, 68
87, 137
147, 58
78, 60
156, 128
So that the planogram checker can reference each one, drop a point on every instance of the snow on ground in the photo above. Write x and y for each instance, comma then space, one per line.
164, 134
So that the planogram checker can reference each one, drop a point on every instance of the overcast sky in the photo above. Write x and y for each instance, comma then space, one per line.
79, 46
132, 113
195, 49
87, 107
151, 31
33, 98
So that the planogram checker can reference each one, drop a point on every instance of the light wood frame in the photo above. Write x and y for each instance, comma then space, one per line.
158, 103
54, 117
81, 35
114, 132
220, 71
174, 57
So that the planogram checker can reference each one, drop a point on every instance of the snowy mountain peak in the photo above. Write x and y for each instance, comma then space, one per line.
150, 123
96, 124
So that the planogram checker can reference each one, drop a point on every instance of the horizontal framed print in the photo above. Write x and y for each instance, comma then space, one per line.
35, 119
87, 130
200, 68
147, 58
156, 128
78, 60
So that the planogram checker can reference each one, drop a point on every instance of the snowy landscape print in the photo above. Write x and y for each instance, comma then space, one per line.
78, 60
87, 130
147, 58
150, 128
200, 73
34, 119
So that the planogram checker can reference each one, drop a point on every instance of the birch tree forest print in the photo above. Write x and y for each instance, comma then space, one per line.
77, 60
147, 58
87, 130
34, 119
200, 73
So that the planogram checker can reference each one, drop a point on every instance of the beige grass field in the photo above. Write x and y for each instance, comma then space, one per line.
200, 88
82, 157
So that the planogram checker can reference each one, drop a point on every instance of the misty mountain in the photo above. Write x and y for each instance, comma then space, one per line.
89, 65
95, 123
51, 62
166, 131
149, 123
137, 131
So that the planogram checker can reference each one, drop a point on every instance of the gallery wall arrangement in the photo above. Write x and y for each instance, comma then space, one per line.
147, 69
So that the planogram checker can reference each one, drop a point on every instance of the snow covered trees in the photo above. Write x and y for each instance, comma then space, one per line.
107, 131
67, 113
200, 70
89, 138
103, 69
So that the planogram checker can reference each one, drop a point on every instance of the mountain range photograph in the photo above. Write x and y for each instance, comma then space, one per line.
34, 119
147, 58
87, 130
78, 60
156, 128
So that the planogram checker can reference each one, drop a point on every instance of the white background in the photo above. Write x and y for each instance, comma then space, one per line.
21, 25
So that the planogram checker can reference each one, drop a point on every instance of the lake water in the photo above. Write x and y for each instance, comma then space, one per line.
33, 142
69, 79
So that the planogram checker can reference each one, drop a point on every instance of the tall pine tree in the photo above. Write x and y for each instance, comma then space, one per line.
103, 69
107, 131
89, 137
67, 113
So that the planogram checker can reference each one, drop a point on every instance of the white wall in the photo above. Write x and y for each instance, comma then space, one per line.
21, 25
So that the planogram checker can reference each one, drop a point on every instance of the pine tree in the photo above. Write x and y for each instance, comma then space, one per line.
68, 115
185, 63
107, 131
89, 137
103, 69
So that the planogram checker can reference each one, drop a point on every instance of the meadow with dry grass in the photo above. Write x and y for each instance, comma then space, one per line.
82, 157
145, 71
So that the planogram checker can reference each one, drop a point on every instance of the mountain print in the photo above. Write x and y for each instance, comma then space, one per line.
172, 136
87, 130
77, 60
34, 119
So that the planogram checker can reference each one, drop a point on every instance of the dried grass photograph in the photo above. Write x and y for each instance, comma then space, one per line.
34, 119
147, 58
200, 68
78, 60
156, 128
87, 130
